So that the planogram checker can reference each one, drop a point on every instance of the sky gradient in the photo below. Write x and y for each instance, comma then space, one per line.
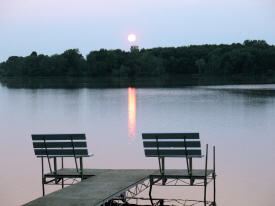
51, 27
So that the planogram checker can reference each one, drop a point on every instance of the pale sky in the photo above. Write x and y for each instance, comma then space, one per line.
53, 26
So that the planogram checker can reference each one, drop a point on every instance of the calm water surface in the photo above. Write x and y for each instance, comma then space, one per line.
238, 119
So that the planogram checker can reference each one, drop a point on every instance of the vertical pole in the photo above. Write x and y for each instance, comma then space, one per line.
62, 165
185, 146
214, 175
191, 169
150, 191
55, 169
205, 176
43, 189
46, 149
163, 168
74, 154
124, 197
160, 166
81, 168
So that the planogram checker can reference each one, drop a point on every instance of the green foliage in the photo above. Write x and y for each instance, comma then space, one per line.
13, 66
74, 65
34, 54
123, 71
201, 65
253, 57
2, 72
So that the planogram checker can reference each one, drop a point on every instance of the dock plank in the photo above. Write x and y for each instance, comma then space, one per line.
95, 190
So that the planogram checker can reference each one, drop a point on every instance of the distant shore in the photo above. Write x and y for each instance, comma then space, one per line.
252, 58
171, 81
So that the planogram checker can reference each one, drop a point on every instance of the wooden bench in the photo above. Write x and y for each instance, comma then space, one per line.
177, 145
61, 145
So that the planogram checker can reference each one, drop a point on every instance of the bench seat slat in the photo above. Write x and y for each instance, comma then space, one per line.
172, 144
60, 152
50, 156
58, 136
59, 144
171, 153
170, 135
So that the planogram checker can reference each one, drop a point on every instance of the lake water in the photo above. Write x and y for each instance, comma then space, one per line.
238, 119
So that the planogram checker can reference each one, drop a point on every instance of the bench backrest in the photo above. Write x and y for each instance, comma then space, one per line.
171, 144
60, 145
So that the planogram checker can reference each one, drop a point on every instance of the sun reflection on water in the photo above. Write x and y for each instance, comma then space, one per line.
132, 113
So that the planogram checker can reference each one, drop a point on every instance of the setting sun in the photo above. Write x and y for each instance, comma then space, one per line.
132, 38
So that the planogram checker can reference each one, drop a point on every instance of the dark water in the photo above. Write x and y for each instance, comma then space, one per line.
141, 82
237, 116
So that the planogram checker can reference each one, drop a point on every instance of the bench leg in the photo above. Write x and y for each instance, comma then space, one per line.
81, 168
214, 189
42, 167
43, 187
192, 180
214, 175
161, 164
205, 185
55, 170
150, 191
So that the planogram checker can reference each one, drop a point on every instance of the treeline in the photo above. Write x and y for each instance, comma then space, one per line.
253, 57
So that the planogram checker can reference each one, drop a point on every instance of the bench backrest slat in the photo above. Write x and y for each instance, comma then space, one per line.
171, 144
59, 144
171, 135
67, 145
61, 152
58, 136
172, 153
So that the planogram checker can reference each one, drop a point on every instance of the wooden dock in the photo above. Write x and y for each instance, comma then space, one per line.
96, 190
106, 184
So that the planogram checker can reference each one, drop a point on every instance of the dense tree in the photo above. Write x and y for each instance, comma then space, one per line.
34, 54
74, 63
253, 57
201, 65
13, 66
2, 70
